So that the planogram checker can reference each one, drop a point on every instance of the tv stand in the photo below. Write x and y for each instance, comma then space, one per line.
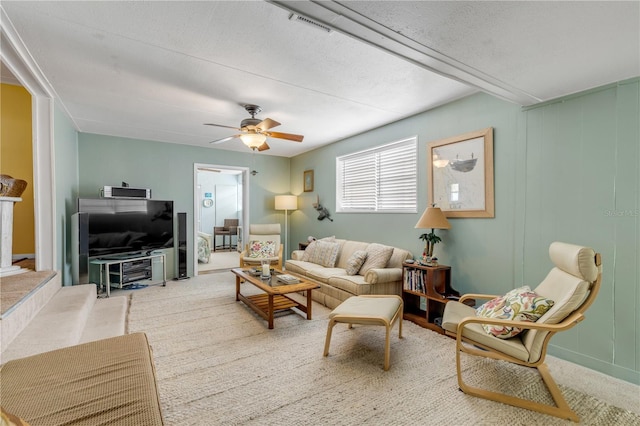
124, 270
123, 256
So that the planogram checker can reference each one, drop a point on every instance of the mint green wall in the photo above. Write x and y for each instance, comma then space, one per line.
566, 170
66, 184
168, 170
581, 184
473, 113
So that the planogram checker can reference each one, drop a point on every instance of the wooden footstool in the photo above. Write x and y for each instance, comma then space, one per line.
368, 310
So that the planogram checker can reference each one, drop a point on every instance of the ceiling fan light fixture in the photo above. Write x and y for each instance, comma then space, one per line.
255, 131
253, 140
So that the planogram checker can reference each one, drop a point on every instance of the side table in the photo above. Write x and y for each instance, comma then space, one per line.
433, 283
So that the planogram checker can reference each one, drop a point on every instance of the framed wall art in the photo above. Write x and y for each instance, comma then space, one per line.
308, 181
460, 174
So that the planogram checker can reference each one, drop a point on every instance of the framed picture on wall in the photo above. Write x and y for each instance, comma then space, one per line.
308, 181
460, 174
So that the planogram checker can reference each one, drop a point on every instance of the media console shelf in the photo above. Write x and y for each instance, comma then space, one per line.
121, 271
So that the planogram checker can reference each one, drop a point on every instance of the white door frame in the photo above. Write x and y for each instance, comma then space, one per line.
17, 58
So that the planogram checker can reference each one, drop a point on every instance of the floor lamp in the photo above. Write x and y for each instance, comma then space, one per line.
286, 203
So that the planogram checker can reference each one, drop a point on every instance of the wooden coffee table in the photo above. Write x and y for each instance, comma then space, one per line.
274, 297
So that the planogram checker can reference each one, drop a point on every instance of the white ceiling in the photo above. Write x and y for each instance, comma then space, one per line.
158, 70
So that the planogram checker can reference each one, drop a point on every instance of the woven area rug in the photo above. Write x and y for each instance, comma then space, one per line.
217, 363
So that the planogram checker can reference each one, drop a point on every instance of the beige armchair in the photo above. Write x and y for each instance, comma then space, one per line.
264, 239
572, 284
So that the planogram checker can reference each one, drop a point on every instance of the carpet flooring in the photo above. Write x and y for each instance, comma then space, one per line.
218, 363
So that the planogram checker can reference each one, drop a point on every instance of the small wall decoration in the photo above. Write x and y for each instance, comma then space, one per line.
460, 174
308, 180
323, 212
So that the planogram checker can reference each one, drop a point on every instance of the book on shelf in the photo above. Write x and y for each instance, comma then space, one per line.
287, 279
414, 280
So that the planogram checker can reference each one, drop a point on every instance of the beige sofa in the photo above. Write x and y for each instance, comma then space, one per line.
336, 285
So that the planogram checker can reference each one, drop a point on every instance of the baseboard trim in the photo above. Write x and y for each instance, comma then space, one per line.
607, 368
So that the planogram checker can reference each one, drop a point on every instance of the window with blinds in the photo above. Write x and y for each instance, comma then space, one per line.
382, 179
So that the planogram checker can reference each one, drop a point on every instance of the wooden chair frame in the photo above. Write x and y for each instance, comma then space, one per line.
561, 409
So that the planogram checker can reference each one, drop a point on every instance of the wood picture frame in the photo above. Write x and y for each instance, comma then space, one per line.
308, 181
460, 174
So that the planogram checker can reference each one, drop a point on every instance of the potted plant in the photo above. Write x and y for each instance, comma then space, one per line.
430, 240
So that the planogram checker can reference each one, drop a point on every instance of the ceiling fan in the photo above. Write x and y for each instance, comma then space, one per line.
255, 131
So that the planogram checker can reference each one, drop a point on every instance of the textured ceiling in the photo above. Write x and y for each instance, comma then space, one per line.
159, 70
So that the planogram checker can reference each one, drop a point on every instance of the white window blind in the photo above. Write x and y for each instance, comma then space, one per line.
381, 179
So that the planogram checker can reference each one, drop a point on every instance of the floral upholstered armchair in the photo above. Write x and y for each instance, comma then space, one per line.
263, 244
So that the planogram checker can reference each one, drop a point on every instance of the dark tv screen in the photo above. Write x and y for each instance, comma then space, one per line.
121, 226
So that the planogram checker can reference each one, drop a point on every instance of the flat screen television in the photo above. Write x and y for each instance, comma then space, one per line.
126, 226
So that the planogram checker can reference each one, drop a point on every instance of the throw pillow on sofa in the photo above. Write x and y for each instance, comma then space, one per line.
259, 249
355, 262
325, 253
308, 252
378, 256
520, 304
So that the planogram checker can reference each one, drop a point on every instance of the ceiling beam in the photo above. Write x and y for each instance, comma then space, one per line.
346, 21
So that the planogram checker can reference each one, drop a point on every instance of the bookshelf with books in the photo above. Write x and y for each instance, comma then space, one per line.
425, 291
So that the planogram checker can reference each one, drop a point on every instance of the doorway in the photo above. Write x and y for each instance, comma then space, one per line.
42, 109
220, 192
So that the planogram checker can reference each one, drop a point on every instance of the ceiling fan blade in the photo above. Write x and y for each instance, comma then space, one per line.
224, 139
267, 124
222, 125
263, 147
287, 136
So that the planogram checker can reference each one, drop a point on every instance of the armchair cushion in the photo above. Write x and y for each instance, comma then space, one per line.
262, 249
568, 284
520, 304
456, 312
